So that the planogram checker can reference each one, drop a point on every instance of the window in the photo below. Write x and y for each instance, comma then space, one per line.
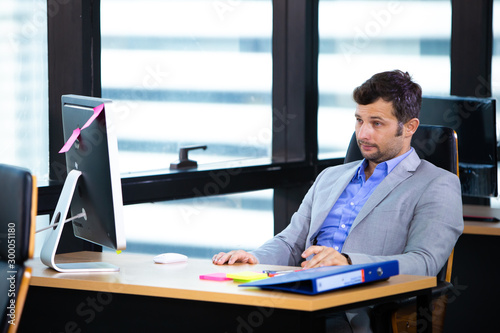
191, 73
495, 66
495, 76
199, 72
24, 86
413, 36
188, 73
202, 226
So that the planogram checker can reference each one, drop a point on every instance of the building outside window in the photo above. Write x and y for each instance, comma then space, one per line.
384, 35
191, 73
188, 73
24, 86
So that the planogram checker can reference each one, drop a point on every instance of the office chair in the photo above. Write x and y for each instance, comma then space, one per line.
438, 145
18, 209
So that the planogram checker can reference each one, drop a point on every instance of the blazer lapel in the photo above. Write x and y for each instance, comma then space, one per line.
336, 190
401, 172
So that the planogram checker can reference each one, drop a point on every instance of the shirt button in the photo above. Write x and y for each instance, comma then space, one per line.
352, 203
343, 226
336, 248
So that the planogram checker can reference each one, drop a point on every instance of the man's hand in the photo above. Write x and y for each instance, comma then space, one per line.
323, 256
233, 257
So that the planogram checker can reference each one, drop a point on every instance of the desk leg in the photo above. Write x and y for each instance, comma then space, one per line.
424, 312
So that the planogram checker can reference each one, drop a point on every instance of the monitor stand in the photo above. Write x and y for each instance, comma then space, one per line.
51, 243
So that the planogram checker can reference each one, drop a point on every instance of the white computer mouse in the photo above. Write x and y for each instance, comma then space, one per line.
168, 258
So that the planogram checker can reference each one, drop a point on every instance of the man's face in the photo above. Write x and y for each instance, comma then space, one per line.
377, 132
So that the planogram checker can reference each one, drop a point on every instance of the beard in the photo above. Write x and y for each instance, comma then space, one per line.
373, 153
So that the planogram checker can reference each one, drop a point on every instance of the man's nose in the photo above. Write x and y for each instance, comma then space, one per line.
364, 131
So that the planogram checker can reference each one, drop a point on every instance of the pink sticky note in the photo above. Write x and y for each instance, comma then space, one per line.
215, 277
71, 140
76, 132
97, 111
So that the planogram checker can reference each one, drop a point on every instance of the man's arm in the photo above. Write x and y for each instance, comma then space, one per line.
286, 247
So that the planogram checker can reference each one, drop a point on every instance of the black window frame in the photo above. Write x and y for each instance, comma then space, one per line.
74, 67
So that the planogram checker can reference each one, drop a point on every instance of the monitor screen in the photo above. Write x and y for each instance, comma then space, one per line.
474, 120
92, 191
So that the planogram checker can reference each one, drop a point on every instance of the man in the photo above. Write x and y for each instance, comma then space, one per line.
391, 206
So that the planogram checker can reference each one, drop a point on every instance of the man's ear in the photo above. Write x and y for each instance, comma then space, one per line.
411, 126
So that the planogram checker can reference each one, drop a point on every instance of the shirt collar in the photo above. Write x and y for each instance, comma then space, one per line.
387, 165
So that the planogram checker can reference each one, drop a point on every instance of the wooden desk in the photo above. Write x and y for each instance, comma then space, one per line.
140, 276
481, 228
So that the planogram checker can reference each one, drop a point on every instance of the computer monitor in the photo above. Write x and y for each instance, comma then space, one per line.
474, 120
92, 190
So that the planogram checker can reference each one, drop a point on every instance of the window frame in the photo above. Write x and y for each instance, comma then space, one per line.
74, 67
74, 47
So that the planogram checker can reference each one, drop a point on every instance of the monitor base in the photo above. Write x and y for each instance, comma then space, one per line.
85, 267
51, 243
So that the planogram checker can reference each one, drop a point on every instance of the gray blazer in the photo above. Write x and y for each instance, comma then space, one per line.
413, 216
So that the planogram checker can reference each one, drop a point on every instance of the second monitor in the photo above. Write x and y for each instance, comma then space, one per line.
474, 120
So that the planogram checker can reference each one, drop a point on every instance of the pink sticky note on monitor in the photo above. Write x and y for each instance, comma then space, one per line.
71, 140
97, 111
76, 132
215, 277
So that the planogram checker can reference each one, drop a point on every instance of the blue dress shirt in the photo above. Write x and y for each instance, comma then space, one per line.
337, 224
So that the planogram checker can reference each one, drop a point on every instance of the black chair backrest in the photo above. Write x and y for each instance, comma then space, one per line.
16, 213
436, 144
18, 203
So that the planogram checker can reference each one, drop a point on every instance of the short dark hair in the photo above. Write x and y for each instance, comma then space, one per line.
392, 86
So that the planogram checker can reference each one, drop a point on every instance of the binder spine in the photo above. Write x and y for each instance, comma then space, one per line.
341, 280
